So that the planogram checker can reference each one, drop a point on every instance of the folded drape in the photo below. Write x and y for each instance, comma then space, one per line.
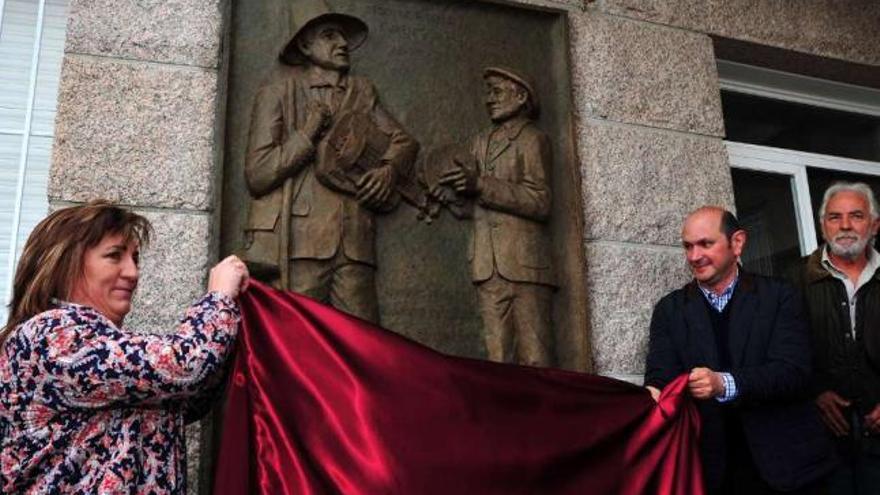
323, 403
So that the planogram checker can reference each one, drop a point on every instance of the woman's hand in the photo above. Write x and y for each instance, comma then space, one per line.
229, 277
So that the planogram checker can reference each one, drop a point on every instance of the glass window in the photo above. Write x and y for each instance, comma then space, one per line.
789, 137
32, 36
765, 207
10, 149
17, 35
793, 126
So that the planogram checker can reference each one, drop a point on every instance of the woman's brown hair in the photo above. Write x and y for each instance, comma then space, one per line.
52, 259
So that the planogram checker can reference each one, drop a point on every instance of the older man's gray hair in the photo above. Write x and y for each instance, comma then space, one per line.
856, 187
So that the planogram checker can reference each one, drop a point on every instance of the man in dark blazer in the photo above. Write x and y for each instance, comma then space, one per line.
744, 342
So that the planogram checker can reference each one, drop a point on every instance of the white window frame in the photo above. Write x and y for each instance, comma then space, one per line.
26, 133
794, 88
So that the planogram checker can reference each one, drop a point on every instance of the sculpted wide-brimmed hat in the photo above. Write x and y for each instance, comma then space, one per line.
306, 13
520, 79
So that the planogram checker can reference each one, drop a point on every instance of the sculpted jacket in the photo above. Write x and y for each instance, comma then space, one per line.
323, 220
510, 229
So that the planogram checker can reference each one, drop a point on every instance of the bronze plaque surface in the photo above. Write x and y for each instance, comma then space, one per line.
426, 59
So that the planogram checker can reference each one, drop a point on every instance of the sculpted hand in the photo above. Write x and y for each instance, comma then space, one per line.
704, 383
464, 180
376, 186
872, 420
831, 408
317, 120
441, 194
229, 277
655, 393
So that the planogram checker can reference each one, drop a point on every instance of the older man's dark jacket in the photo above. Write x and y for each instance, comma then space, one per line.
846, 365
770, 361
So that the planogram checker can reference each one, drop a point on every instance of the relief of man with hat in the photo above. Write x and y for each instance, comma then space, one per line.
311, 234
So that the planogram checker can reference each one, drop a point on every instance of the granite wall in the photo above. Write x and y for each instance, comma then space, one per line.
141, 122
650, 139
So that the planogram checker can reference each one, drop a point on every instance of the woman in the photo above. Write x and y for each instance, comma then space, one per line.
86, 405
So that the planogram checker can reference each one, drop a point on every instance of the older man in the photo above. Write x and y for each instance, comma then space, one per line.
743, 340
842, 288
311, 225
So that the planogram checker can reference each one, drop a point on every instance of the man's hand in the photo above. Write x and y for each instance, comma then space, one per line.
465, 180
317, 120
704, 383
376, 186
831, 410
872, 420
655, 393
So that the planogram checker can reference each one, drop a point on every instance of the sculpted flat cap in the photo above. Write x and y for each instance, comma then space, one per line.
520, 79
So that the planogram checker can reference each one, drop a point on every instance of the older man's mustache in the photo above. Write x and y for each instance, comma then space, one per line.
847, 237
849, 245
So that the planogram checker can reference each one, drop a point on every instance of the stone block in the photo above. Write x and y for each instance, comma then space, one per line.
634, 72
829, 28
186, 32
550, 4
639, 183
624, 281
193, 457
174, 269
134, 133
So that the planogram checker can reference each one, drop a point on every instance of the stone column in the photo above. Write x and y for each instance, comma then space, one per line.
649, 134
140, 123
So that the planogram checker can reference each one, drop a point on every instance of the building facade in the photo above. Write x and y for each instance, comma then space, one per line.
142, 117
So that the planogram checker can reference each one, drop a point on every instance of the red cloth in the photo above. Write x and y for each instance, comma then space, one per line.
324, 403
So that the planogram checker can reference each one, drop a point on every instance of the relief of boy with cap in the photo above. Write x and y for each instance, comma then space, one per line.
508, 178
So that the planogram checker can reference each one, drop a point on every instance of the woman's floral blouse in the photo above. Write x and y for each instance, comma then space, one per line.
88, 408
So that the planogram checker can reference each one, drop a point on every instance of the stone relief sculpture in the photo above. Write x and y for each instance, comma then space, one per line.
323, 158
505, 174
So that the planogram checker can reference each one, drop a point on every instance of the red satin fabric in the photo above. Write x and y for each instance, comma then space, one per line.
324, 403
